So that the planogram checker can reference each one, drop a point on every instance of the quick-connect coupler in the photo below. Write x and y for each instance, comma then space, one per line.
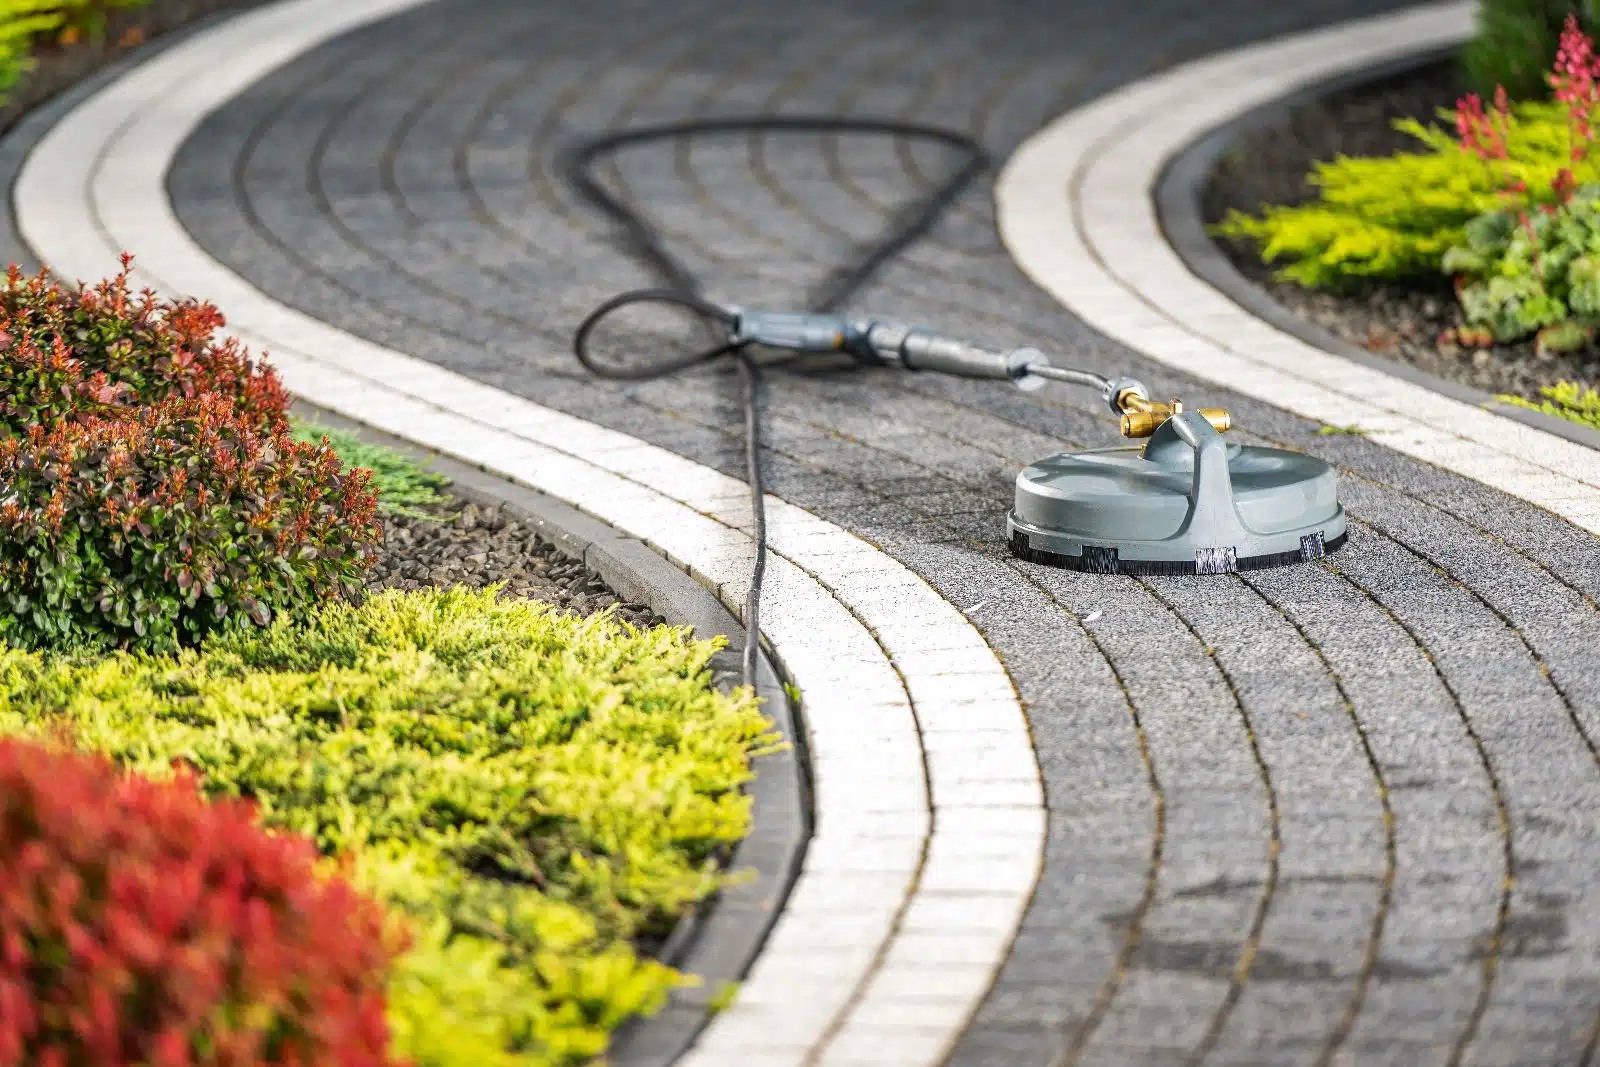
1142, 416
889, 344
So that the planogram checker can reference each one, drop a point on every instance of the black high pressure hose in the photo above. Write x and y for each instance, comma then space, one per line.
682, 288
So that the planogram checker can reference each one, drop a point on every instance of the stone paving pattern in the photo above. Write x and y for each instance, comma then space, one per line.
1339, 814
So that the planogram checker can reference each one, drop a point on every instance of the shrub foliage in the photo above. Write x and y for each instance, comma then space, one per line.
1508, 205
153, 491
538, 793
106, 351
1534, 266
1565, 400
24, 23
140, 925
161, 528
1517, 41
1539, 274
1392, 218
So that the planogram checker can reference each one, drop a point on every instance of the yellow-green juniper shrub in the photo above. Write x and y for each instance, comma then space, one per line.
537, 793
1393, 218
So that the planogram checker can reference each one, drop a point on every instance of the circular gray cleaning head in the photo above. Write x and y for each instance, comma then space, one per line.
1188, 502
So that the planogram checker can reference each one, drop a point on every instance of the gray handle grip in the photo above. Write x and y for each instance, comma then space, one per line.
925, 351
922, 351
889, 344
796, 331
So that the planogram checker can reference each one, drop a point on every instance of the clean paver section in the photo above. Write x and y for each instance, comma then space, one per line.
1340, 814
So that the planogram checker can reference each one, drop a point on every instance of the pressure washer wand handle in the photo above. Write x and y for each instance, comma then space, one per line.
797, 331
891, 345
916, 349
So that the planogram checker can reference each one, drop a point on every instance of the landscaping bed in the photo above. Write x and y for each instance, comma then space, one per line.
302, 759
1448, 216
1271, 165
432, 540
487, 786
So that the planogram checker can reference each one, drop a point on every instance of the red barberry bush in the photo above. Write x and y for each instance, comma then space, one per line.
104, 350
141, 925
182, 518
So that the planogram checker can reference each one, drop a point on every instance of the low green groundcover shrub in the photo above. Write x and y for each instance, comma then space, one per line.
537, 793
403, 487
140, 924
1567, 400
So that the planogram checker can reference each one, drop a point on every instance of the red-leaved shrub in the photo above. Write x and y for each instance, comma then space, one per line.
140, 924
170, 522
103, 350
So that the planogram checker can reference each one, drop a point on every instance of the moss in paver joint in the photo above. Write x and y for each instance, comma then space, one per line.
1572, 401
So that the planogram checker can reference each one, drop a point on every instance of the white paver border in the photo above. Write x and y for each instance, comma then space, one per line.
845, 977
1077, 210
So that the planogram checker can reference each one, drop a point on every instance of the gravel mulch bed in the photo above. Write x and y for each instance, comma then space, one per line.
1269, 166
476, 546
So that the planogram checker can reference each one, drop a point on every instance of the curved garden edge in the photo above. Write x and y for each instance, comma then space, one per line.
1077, 212
1178, 196
719, 941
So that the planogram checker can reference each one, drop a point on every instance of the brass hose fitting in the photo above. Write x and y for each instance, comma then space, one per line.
1142, 417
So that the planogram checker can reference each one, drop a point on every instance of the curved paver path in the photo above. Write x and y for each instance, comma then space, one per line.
1339, 814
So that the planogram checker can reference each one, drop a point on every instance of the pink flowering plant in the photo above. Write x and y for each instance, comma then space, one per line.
1532, 266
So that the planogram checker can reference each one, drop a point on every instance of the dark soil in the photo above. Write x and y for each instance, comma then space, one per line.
59, 66
474, 546
1270, 165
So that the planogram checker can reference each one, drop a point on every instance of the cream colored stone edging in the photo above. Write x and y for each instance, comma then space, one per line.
929, 809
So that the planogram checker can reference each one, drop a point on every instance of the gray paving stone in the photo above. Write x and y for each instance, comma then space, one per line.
404, 183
